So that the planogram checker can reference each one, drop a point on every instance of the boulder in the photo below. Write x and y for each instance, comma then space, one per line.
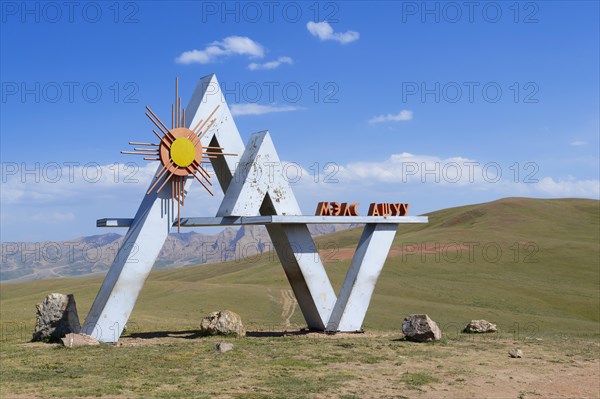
224, 347
515, 352
56, 316
70, 340
420, 328
224, 322
480, 327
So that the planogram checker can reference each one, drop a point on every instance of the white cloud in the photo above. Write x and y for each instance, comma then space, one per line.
404, 115
53, 217
72, 198
60, 184
232, 45
569, 188
271, 64
73, 204
324, 31
259, 109
406, 170
579, 143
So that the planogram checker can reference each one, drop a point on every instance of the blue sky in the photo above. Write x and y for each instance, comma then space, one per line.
370, 89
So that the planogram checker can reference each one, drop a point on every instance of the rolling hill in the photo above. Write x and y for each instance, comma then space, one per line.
530, 265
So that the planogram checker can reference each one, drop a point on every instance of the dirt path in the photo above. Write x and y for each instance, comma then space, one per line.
289, 306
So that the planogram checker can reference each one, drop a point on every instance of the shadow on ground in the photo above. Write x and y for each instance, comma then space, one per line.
184, 334
193, 334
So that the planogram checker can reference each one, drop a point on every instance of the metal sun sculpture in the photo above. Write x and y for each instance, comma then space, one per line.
180, 152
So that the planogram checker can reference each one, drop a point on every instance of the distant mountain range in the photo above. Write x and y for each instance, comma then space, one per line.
24, 261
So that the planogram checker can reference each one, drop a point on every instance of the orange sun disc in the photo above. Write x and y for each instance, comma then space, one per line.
181, 153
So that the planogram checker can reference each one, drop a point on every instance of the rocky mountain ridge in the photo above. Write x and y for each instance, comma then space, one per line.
24, 261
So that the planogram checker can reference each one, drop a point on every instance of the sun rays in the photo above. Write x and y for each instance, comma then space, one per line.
180, 152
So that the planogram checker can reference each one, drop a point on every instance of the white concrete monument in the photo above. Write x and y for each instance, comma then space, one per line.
205, 132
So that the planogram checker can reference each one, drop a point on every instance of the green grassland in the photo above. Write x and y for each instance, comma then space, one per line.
547, 272
530, 265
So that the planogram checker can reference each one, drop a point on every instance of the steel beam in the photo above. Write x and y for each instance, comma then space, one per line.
359, 284
258, 186
150, 227
204, 221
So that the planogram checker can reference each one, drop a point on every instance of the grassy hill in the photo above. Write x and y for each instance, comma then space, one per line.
530, 265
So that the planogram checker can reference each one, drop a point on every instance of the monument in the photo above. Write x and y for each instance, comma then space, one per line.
205, 132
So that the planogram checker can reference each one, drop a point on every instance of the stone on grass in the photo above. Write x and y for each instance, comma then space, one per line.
224, 322
480, 327
420, 328
515, 352
56, 316
70, 340
224, 347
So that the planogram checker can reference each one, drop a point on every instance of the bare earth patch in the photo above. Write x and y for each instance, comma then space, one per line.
342, 254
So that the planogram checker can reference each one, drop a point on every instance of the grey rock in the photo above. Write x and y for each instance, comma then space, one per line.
56, 316
224, 322
515, 352
480, 327
70, 340
420, 328
224, 347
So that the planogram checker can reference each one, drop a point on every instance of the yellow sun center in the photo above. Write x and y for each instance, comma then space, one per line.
183, 152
